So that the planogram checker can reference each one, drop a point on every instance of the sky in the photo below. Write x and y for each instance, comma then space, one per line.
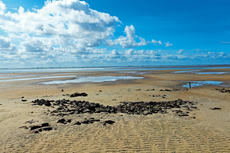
74, 33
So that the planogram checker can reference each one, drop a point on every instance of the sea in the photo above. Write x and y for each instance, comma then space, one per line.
24, 74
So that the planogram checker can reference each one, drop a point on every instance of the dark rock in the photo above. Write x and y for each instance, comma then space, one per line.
79, 94
63, 121
223, 90
69, 121
47, 129
35, 127
165, 90
45, 124
108, 122
77, 123
216, 108
67, 107
62, 90
95, 120
23, 100
22, 97
42, 102
85, 122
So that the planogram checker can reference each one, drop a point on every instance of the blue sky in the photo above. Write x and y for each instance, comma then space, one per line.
73, 33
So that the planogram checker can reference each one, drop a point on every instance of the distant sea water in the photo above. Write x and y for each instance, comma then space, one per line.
79, 69
8, 75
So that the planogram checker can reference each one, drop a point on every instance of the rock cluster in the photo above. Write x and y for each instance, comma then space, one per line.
42, 102
87, 121
169, 90
66, 107
223, 90
158, 96
38, 128
69, 107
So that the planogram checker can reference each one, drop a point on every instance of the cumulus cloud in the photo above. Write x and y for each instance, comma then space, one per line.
68, 22
128, 41
5, 45
2, 8
70, 31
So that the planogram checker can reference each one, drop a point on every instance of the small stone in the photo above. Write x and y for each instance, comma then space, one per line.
86, 122
23, 100
45, 124
216, 108
69, 120
95, 120
63, 121
47, 129
34, 127
108, 122
77, 123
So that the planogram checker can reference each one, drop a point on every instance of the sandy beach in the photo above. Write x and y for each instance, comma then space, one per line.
205, 129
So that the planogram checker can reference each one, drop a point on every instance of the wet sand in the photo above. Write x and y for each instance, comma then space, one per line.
208, 132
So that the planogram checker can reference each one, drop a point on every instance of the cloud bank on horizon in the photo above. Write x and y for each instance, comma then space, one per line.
70, 33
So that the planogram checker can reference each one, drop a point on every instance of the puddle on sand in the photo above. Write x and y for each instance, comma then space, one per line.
200, 72
93, 79
202, 83
37, 78
210, 72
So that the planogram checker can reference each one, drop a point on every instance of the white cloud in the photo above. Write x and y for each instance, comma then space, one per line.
70, 31
5, 45
167, 44
180, 51
128, 41
2, 8
4, 42
157, 42
68, 23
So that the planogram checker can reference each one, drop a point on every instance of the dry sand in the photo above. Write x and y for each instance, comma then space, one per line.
208, 132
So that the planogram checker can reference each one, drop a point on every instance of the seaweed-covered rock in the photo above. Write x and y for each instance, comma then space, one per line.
79, 94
